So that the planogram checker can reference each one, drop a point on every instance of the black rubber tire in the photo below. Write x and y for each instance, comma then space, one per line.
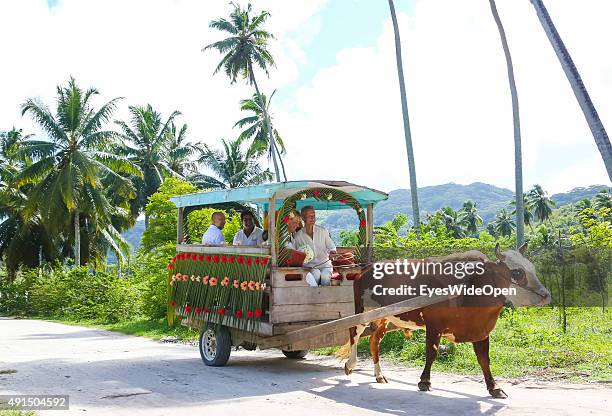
215, 347
295, 354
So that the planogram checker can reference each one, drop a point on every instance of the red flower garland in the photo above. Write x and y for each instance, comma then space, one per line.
258, 312
316, 193
198, 309
223, 259
187, 309
249, 314
238, 313
200, 257
362, 223
264, 261
240, 260
249, 261
206, 309
215, 259
231, 259
222, 311
208, 258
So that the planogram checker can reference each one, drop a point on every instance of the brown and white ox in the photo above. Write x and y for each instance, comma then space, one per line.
466, 318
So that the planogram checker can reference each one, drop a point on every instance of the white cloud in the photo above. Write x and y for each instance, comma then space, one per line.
348, 122
146, 51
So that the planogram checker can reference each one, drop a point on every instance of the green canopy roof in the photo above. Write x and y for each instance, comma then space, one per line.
261, 194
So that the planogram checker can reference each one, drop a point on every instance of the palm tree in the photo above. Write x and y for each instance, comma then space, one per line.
603, 199
23, 241
256, 127
504, 224
179, 151
452, 221
231, 167
573, 76
407, 134
10, 142
68, 169
518, 159
469, 217
146, 145
527, 214
245, 47
540, 203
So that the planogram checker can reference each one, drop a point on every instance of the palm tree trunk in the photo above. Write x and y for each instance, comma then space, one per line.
280, 159
267, 120
77, 240
518, 160
573, 76
407, 134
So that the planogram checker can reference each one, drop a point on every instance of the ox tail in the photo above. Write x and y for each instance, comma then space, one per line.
344, 351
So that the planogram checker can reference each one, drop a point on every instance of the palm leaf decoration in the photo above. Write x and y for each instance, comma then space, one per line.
333, 198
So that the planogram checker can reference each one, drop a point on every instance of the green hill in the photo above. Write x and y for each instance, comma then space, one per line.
489, 200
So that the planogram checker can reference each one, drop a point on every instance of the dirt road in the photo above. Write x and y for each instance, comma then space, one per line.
107, 373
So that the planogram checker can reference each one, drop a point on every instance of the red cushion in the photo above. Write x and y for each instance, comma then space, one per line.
344, 259
294, 258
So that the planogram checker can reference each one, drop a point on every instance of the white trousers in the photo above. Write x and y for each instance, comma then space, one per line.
319, 276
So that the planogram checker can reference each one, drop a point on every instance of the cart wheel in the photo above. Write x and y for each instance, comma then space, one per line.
295, 354
215, 348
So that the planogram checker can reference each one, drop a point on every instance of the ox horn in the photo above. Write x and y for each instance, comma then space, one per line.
498, 253
523, 248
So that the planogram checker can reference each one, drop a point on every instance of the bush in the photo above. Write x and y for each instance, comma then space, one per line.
72, 293
14, 295
150, 270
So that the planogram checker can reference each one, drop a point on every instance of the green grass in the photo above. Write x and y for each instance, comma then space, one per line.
526, 342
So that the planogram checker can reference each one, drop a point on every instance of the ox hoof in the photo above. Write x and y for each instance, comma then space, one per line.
381, 379
498, 393
347, 369
425, 385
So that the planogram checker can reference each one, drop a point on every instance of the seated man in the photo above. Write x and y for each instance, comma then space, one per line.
249, 235
322, 246
214, 236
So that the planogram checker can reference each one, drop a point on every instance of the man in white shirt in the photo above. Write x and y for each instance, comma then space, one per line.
320, 242
214, 236
249, 235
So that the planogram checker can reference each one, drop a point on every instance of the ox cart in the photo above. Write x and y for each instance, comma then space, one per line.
252, 296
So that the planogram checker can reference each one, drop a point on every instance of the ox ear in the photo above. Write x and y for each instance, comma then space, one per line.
523, 248
498, 253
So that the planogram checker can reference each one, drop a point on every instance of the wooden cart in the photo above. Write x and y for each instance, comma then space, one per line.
295, 317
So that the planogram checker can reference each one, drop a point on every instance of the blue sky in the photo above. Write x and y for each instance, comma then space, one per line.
337, 104
342, 24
